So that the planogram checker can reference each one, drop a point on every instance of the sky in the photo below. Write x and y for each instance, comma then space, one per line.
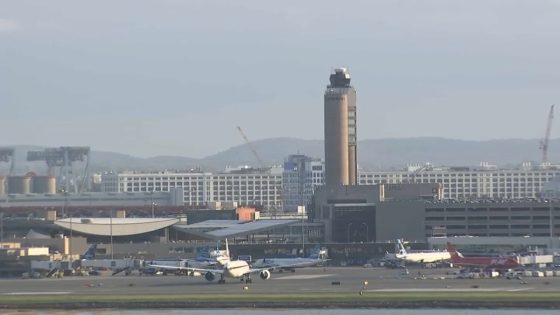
175, 77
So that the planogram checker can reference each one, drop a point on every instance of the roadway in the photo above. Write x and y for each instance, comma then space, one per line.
303, 280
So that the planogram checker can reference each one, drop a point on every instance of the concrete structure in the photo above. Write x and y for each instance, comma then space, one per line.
174, 197
246, 186
347, 212
366, 213
341, 166
400, 219
301, 176
521, 218
419, 191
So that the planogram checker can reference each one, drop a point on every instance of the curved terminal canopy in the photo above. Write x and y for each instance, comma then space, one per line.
115, 226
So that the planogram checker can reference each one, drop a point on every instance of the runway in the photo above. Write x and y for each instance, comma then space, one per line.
328, 279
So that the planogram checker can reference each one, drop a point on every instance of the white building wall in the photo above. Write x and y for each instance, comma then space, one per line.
468, 184
261, 189
270, 189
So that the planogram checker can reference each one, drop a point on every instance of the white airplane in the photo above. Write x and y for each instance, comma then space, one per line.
317, 257
420, 257
205, 258
237, 269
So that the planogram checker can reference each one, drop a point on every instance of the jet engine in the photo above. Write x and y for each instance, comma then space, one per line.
209, 276
265, 274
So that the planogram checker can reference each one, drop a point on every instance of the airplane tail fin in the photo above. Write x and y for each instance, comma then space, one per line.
227, 249
452, 251
318, 253
203, 253
90, 252
401, 249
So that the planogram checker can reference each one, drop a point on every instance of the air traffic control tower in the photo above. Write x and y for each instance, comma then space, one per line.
340, 131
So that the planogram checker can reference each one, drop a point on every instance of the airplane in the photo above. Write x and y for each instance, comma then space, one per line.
205, 258
237, 269
90, 253
317, 257
50, 267
126, 265
458, 259
419, 257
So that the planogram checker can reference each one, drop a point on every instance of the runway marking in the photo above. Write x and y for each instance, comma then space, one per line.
520, 289
304, 277
450, 290
35, 293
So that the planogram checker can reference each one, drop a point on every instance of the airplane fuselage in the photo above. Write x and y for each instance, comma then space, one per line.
486, 262
236, 269
424, 257
458, 259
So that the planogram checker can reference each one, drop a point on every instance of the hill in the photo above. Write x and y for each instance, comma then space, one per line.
372, 154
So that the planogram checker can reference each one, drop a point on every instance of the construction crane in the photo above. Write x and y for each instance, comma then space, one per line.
63, 158
261, 164
7, 155
545, 140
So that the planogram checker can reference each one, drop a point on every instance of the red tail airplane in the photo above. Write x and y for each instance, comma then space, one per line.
481, 261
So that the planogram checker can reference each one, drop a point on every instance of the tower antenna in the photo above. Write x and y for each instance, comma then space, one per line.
546, 139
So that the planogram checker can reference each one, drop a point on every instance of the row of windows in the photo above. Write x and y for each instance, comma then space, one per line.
469, 174
513, 209
485, 218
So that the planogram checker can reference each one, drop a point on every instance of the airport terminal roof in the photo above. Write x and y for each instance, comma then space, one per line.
115, 226
219, 229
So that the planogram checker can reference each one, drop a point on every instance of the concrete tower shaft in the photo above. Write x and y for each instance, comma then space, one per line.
340, 131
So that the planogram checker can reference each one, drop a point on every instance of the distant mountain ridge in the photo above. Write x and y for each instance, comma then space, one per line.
372, 154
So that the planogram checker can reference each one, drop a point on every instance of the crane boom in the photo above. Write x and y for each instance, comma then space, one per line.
261, 164
546, 139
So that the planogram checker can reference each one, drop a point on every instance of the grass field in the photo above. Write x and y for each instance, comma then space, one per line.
371, 299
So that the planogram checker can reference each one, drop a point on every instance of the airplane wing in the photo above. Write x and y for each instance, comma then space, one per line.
258, 270
297, 264
190, 269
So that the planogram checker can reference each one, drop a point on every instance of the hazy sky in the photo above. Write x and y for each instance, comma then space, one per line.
175, 77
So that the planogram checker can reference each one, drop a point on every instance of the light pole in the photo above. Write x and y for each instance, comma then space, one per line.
152, 200
70, 242
303, 231
551, 227
153, 206
111, 231
64, 205
1, 227
367, 231
348, 231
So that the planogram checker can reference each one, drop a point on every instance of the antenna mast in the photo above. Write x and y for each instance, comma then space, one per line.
544, 142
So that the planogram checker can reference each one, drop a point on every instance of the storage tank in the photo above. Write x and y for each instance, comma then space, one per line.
2, 185
44, 185
19, 184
